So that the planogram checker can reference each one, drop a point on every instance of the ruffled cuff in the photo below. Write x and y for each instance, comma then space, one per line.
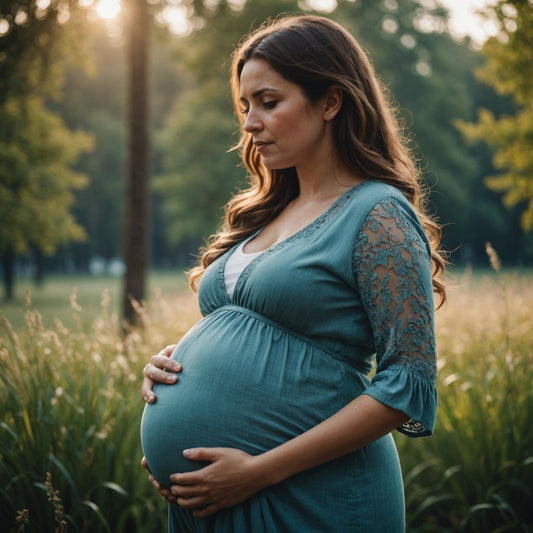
409, 393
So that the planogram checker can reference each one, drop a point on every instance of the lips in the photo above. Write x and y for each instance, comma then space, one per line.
261, 145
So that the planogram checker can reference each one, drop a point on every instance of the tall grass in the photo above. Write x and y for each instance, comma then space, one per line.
475, 474
70, 405
69, 437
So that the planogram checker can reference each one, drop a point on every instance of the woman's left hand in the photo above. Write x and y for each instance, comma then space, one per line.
232, 477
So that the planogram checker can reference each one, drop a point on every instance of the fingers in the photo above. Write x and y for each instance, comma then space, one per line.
187, 498
159, 366
144, 463
192, 503
160, 369
203, 454
196, 454
187, 478
167, 350
163, 492
184, 491
146, 391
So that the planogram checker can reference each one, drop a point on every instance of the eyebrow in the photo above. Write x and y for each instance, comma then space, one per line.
259, 92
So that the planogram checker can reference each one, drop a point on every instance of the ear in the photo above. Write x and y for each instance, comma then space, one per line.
332, 102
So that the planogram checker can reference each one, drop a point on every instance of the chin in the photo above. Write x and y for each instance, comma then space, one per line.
276, 166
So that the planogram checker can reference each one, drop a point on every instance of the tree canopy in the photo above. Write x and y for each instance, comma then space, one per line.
36, 43
37, 151
430, 77
35, 199
508, 69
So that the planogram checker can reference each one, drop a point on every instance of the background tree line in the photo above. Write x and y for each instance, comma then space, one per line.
63, 134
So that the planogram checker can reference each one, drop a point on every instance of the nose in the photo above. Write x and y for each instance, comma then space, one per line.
252, 123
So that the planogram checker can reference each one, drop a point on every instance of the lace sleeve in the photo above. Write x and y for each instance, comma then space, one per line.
392, 267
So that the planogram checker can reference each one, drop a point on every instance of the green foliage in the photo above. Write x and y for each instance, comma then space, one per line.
37, 151
36, 179
195, 190
509, 58
36, 44
511, 137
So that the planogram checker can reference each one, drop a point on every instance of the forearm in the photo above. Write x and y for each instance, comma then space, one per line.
361, 422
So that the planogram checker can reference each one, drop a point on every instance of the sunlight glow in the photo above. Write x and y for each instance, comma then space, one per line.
465, 19
4, 27
322, 6
176, 18
108, 9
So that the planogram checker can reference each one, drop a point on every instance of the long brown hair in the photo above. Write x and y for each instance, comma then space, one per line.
316, 53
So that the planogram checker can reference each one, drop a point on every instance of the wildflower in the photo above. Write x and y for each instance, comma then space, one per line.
55, 500
493, 257
74, 301
23, 516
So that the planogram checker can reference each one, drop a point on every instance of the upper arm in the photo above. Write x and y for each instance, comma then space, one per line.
392, 267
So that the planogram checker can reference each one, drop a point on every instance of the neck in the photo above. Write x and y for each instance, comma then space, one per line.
326, 180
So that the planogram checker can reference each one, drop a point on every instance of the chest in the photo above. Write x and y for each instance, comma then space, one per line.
289, 222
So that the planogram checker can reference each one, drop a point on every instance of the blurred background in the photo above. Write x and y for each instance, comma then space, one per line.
458, 71
115, 126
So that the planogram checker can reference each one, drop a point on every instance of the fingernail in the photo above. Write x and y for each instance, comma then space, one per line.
177, 366
172, 377
187, 453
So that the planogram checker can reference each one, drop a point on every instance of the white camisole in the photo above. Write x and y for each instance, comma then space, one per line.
235, 264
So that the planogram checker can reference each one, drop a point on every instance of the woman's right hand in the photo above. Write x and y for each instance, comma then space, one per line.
160, 369
165, 493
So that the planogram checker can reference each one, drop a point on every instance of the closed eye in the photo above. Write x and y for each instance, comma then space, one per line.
271, 104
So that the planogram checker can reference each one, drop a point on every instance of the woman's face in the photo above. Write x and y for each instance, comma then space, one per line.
288, 130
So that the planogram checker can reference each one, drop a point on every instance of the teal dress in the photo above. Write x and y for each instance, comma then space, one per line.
295, 344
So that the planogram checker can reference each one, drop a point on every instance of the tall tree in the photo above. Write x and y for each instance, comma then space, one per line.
508, 69
36, 149
95, 101
137, 200
37, 182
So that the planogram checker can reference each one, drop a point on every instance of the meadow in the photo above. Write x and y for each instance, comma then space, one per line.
70, 405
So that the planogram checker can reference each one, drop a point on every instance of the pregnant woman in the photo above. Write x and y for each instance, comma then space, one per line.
325, 264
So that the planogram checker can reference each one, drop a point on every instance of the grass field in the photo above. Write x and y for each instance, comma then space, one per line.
52, 299
70, 406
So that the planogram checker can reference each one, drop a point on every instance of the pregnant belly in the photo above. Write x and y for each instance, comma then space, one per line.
245, 384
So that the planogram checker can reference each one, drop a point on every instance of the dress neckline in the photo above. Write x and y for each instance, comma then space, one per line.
321, 219
302, 231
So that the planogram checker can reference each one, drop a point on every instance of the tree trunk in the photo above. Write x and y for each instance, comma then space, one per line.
38, 261
137, 195
8, 267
